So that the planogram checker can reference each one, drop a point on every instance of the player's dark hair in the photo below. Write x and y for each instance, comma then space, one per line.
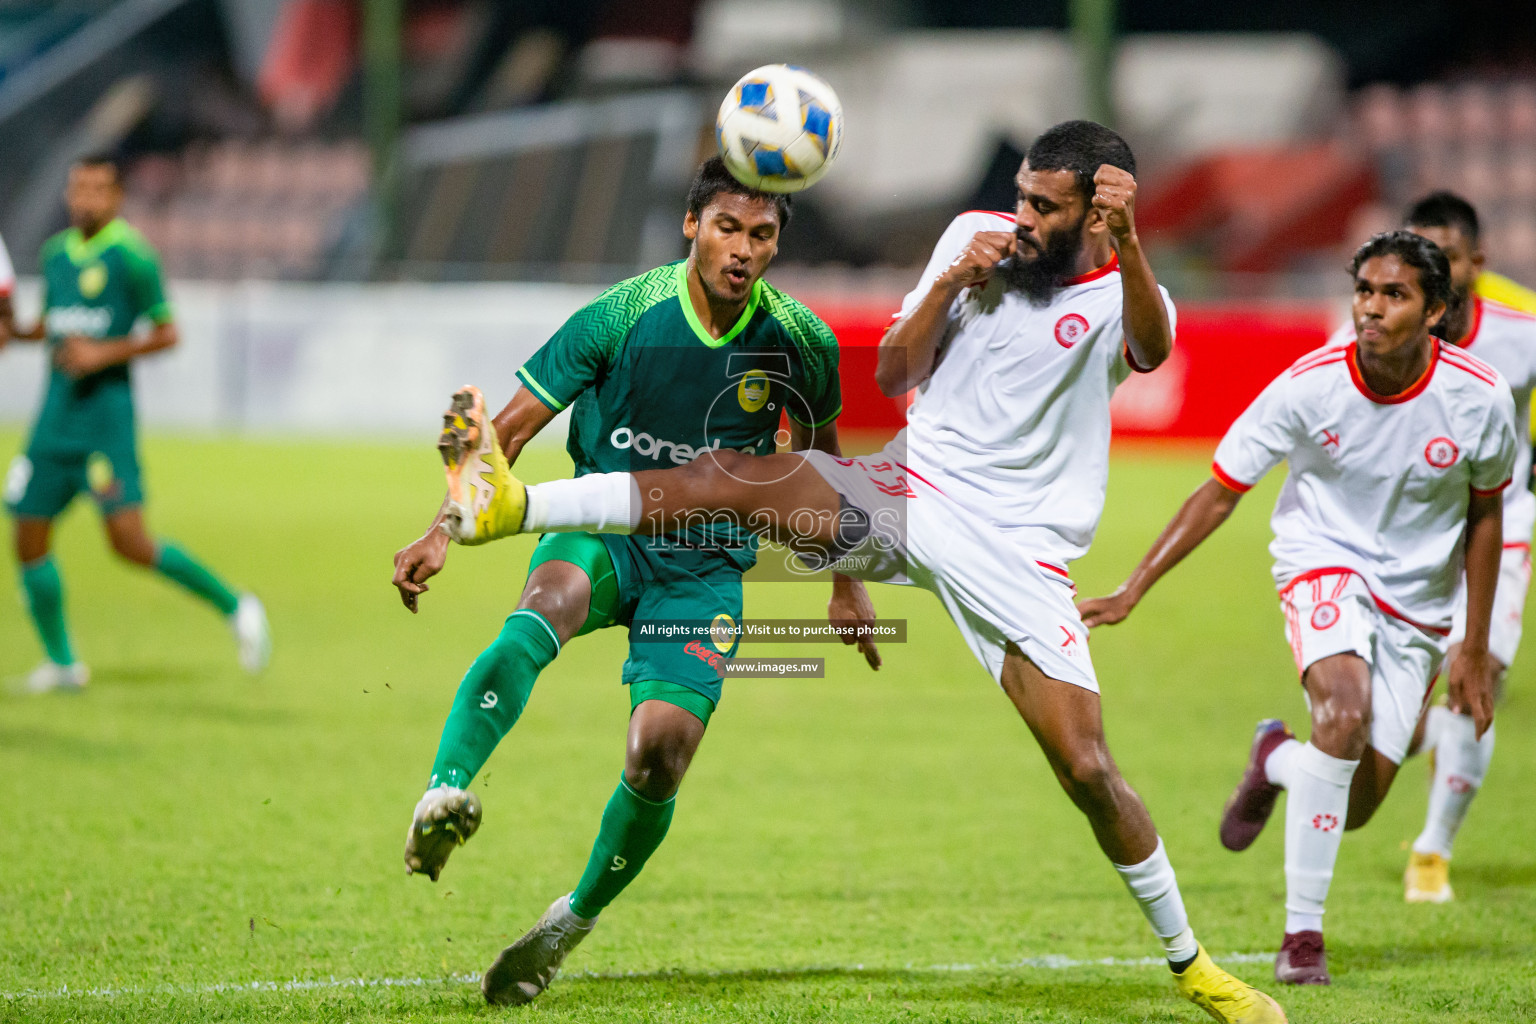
1444, 210
714, 179
1081, 147
1419, 253
102, 160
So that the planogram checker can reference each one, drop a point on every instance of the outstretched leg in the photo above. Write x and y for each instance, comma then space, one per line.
246, 616
1066, 721
663, 737
557, 603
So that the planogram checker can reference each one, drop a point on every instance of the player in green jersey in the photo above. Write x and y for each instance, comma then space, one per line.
685, 359
100, 279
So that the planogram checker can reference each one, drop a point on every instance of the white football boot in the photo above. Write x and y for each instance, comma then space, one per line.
249, 624
525, 968
445, 818
50, 676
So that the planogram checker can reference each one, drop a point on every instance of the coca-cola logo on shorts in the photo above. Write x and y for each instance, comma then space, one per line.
1441, 453
1069, 329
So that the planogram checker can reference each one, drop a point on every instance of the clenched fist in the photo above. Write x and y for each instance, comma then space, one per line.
1115, 197
976, 262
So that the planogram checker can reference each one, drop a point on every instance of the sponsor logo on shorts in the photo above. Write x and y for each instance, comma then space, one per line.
92, 280
1070, 330
654, 447
713, 659
1325, 822
1441, 453
752, 390
1325, 615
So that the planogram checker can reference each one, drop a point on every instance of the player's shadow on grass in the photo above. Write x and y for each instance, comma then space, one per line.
74, 748
1110, 995
146, 675
1471, 876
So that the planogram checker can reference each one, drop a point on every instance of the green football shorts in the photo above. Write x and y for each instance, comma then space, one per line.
634, 582
40, 485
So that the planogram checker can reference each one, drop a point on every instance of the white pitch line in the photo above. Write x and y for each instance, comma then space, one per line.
1043, 963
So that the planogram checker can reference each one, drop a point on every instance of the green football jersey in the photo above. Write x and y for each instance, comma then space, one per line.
650, 388
97, 287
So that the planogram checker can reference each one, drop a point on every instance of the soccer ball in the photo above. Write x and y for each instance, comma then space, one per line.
779, 128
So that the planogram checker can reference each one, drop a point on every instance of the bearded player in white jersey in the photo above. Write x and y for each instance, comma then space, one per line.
1016, 336
1400, 447
1504, 338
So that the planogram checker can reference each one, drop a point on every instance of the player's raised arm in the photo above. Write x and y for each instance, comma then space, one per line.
1201, 513
1148, 331
908, 350
517, 424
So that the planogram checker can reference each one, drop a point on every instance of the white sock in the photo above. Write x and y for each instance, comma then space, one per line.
1280, 766
1317, 803
595, 503
1156, 890
1461, 765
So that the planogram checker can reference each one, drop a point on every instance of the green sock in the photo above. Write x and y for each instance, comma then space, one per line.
492, 696
632, 829
175, 564
45, 600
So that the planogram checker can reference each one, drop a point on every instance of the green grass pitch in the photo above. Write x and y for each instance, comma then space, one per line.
182, 843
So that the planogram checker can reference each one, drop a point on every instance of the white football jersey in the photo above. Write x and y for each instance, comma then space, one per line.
7, 272
1013, 423
1504, 338
1378, 486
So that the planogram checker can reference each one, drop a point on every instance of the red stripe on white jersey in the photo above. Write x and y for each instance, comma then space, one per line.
1468, 363
1319, 363
1313, 359
1498, 308
995, 213
1496, 490
1229, 481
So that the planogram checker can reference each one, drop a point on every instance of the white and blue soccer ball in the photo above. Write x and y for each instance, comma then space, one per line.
779, 128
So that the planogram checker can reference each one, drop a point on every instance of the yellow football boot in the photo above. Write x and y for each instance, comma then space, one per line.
1428, 879
485, 501
1224, 997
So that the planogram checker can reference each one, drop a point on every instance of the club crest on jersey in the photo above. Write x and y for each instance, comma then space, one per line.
752, 390
1325, 615
1441, 453
1070, 330
92, 280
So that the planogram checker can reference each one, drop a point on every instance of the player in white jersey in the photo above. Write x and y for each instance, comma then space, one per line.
7, 285
1016, 335
1399, 447
1504, 338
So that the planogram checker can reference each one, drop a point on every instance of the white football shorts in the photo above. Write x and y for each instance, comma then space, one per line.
1332, 611
1508, 605
994, 589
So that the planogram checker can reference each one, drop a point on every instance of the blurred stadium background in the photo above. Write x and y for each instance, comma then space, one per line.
393, 192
